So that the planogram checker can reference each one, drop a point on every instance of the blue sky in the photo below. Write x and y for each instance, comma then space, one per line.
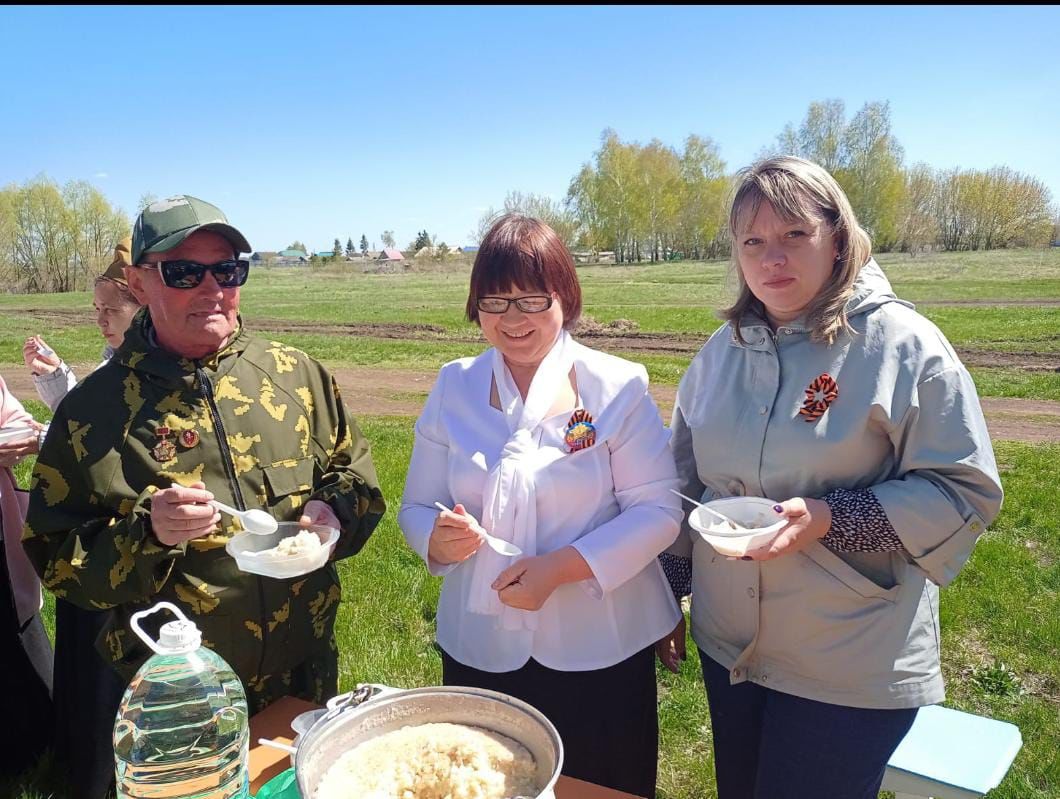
313, 123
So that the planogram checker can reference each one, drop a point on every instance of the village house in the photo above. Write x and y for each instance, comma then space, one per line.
390, 254
282, 258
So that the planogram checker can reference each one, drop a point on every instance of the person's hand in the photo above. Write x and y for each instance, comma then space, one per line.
180, 513
528, 583
318, 512
456, 536
14, 451
39, 364
670, 649
808, 520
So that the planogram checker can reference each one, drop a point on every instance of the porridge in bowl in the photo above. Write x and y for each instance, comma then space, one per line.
303, 543
756, 524
293, 550
432, 761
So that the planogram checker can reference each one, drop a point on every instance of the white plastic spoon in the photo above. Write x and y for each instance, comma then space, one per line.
277, 745
254, 521
725, 519
498, 544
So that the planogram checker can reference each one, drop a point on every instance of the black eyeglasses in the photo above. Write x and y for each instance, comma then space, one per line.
534, 303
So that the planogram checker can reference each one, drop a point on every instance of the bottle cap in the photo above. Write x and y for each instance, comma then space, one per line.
179, 638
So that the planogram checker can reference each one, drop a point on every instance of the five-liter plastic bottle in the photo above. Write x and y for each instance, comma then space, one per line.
182, 730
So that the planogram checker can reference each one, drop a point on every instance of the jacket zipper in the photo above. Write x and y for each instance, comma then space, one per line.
206, 389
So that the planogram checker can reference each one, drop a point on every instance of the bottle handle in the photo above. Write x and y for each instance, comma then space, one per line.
134, 622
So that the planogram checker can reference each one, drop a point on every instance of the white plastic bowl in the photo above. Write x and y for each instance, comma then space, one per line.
746, 511
9, 435
245, 546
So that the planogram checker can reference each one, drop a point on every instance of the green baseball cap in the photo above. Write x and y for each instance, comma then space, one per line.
164, 224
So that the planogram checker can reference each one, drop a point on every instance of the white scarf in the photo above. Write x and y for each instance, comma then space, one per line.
509, 500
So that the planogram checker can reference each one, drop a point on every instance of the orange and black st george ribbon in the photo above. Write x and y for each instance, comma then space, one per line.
821, 393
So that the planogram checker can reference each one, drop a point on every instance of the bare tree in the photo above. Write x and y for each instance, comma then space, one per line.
552, 213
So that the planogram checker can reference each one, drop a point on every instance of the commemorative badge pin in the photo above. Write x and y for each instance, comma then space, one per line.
189, 438
581, 433
164, 450
821, 393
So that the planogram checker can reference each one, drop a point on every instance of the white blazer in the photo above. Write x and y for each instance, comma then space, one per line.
610, 501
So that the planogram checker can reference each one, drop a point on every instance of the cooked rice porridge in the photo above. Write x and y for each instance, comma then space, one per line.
760, 520
432, 761
293, 546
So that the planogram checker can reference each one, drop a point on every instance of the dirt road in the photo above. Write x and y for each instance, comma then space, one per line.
401, 392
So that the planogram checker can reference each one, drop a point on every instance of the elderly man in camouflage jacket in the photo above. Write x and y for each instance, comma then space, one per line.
190, 408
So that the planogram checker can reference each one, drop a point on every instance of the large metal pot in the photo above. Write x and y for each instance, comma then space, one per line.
374, 710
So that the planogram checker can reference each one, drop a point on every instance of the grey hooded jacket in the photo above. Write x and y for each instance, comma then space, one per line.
855, 629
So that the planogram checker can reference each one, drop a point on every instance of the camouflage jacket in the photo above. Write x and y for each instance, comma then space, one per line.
263, 426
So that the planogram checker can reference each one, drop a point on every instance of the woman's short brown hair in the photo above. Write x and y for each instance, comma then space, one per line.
523, 252
801, 190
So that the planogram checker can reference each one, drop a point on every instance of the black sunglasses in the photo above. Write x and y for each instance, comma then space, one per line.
189, 274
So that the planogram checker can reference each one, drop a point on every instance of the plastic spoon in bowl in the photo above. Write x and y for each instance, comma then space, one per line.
497, 544
254, 521
724, 519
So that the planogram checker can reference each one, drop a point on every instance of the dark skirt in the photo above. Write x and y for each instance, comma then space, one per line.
607, 718
87, 692
28, 660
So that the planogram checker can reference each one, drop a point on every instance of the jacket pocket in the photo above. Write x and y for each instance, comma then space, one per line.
848, 575
722, 608
292, 478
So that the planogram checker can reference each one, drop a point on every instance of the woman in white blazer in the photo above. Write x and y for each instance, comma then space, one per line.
560, 450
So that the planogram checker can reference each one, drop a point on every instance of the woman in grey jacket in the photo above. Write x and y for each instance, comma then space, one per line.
825, 393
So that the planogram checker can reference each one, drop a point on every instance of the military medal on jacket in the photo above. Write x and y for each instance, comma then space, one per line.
164, 450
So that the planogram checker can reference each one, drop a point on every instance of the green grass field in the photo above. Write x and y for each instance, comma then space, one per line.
1000, 618
676, 299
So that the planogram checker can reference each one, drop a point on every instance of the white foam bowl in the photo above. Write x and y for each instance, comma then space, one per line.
245, 546
745, 511
9, 435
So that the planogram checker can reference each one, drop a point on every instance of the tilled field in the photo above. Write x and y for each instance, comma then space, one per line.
607, 337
